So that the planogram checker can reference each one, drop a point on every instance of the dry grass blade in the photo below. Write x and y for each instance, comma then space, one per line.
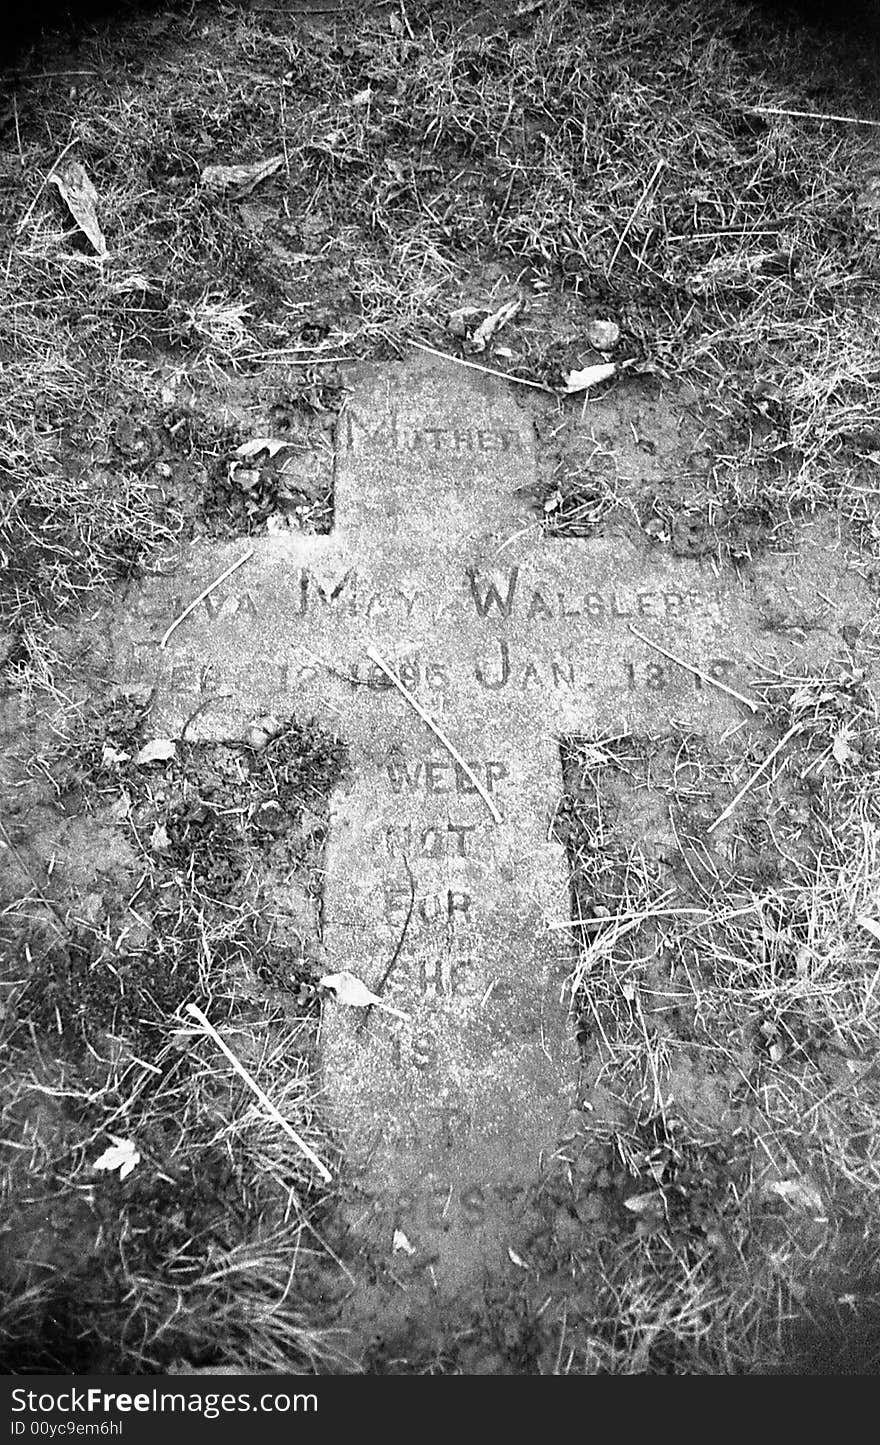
375, 656
205, 592
752, 780
489, 370
195, 1012
705, 677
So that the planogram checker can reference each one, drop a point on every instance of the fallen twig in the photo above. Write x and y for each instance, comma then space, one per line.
697, 671
206, 592
489, 370
810, 115
390, 966
747, 786
255, 1089
375, 656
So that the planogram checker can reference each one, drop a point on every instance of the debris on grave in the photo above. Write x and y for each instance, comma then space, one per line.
842, 749
81, 199
206, 592
771, 1036
642, 1203
459, 321
111, 757
253, 448
348, 989
604, 335
262, 730
590, 376
270, 817
240, 180
800, 1193
160, 750
870, 925
121, 1155
494, 322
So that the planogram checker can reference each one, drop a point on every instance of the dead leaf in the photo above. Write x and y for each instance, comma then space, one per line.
159, 840
590, 376
261, 444
516, 1258
642, 1203
110, 756
158, 751
871, 925
457, 320
81, 200
798, 1192
240, 179
400, 1244
348, 989
486, 329
841, 749
121, 1155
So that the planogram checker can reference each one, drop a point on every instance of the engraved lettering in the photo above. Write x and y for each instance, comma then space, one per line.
473, 1206
437, 777
403, 775
490, 596
495, 772
424, 1052
460, 831
538, 607
494, 683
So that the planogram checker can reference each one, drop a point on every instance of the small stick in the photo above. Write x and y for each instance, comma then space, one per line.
722, 818
375, 656
254, 1087
294, 356
389, 967
697, 671
635, 211
489, 370
811, 115
206, 592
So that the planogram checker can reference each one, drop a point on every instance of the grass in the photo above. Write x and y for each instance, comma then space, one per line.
612, 161
728, 992
98, 1045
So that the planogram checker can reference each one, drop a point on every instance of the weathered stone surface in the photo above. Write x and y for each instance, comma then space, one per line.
510, 641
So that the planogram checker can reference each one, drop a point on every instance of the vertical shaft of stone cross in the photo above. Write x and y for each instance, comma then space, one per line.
433, 902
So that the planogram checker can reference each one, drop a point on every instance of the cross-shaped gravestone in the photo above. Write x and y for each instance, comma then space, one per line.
454, 910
